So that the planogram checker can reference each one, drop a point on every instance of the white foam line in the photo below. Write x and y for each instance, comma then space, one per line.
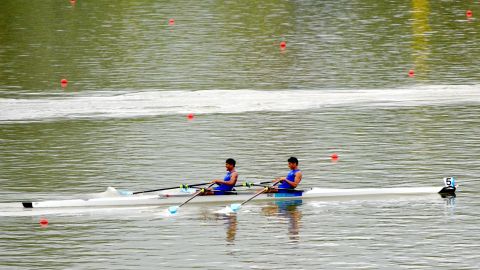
153, 103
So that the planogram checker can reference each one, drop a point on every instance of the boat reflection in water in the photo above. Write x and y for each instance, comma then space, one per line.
289, 210
229, 220
282, 209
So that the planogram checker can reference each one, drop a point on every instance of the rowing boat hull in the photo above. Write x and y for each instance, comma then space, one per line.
174, 198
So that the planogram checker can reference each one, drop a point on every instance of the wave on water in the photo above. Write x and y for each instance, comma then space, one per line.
153, 102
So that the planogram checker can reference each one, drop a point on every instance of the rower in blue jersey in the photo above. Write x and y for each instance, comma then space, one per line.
228, 182
292, 179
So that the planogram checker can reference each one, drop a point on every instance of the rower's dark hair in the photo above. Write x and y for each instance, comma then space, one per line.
231, 161
293, 160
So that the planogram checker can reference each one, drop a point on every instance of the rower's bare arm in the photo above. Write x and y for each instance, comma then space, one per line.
233, 179
298, 178
294, 183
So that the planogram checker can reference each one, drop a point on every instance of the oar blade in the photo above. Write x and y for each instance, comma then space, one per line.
227, 210
125, 192
173, 209
235, 207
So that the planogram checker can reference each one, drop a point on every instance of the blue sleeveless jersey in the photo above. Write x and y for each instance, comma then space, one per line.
225, 187
290, 177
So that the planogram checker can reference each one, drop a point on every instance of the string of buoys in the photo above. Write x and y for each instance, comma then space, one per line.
282, 45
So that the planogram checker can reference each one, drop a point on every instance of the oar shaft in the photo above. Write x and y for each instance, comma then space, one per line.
256, 195
196, 194
160, 189
265, 189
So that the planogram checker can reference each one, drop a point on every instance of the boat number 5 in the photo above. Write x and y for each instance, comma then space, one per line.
449, 181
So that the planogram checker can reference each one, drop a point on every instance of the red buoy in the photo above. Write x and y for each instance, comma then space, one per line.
469, 13
411, 73
64, 83
43, 221
171, 21
283, 44
190, 116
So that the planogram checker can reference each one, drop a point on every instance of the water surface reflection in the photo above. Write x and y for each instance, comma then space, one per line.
288, 210
230, 222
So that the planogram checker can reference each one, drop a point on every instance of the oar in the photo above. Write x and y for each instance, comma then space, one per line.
174, 209
160, 189
236, 206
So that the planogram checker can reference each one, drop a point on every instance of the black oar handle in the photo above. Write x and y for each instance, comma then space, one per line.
245, 184
251, 184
